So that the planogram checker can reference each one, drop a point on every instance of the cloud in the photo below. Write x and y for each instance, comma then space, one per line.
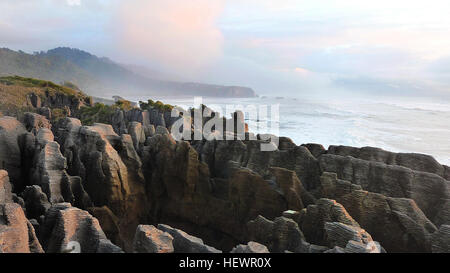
179, 35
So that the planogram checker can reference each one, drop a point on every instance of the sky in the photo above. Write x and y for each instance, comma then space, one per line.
293, 47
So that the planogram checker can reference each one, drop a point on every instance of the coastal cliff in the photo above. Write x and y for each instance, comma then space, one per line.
113, 179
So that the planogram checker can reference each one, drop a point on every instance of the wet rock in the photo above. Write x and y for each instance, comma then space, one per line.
185, 243
149, 239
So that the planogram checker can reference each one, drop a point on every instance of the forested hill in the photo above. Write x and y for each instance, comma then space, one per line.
102, 76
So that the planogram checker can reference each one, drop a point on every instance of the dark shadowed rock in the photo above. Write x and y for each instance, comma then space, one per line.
279, 235
339, 234
314, 217
64, 225
36, 202
397, 223
185, 243
33, 122
440, 240
315, 149
11, 132
149, 239
413, 161
430, 191
109, 223
110, 169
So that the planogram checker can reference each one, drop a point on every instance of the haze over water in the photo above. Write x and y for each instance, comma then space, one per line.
397, 125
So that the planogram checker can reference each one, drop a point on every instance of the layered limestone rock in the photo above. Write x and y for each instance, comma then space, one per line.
339, 234
17, 234
5, 188
248, 154
110, 169
36, 202
413, 161
251, 247
185, 243
149, 239
33, 122
280, 235
430, 191
69, 229
440, 240
182, 194
11, 138
314, 218
397, 223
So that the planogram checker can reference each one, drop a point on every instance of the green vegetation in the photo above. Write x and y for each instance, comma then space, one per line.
158, 104
101, 113
51, 87
15, 95
124, 105
71, 85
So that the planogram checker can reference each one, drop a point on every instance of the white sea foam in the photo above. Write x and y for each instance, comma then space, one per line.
392, 124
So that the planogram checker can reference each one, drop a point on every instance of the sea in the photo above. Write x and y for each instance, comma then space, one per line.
412, 125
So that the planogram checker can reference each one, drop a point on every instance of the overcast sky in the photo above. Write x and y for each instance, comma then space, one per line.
291, 46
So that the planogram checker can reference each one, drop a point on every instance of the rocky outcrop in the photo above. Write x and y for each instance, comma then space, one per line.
413, 161
36, 202
280, 235
314, 218
315, 149
110, 169
16, 232
5, 188
440, 240
11, 137
215, 207
397, 223
248, 154
251, 247
185, 243
33, 122
69, 229
430, 191
149, 239
339, 234
109, 223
